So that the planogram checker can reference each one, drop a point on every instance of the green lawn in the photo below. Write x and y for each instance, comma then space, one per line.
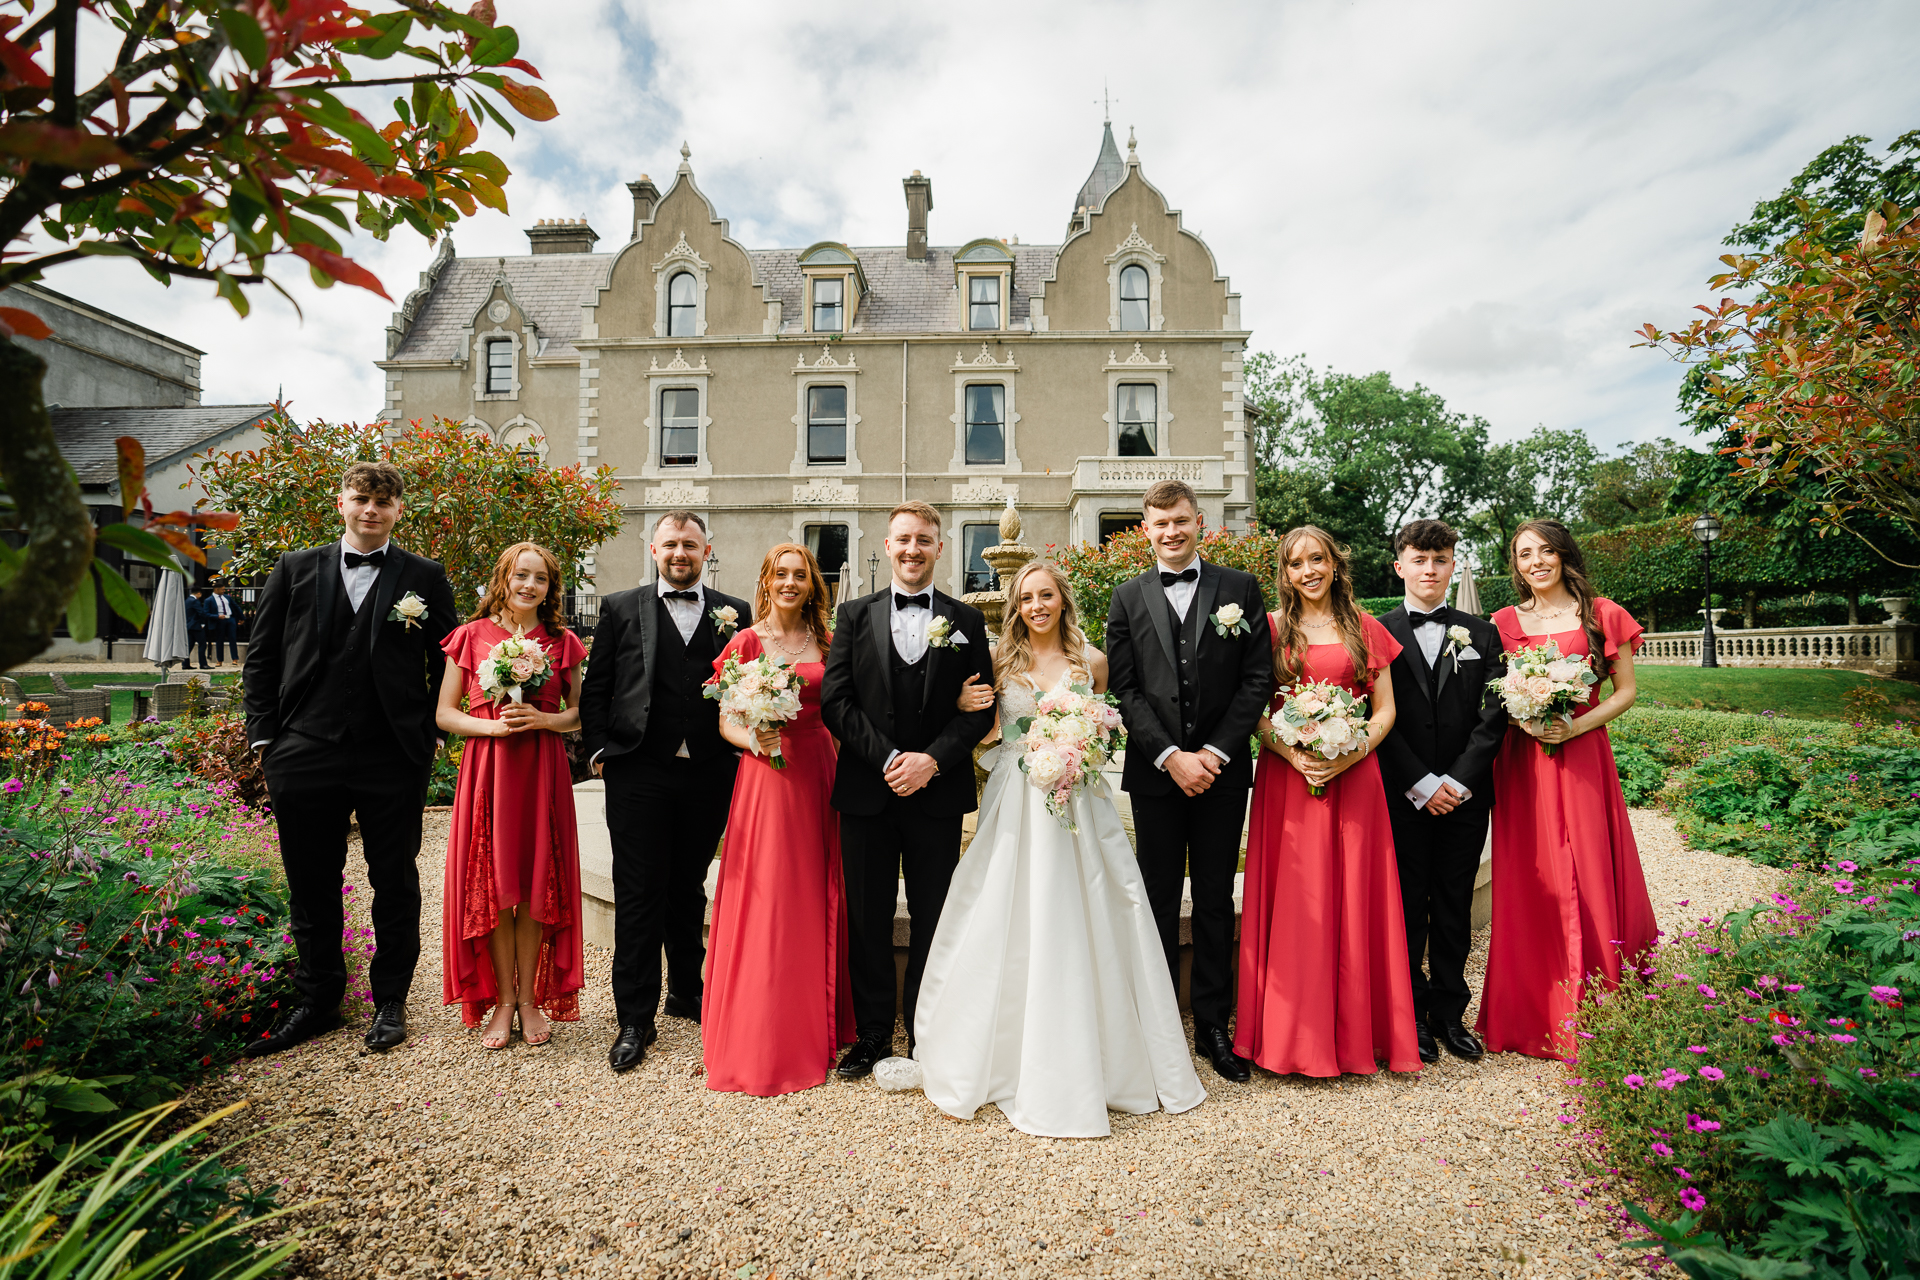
37, 682
1790, 692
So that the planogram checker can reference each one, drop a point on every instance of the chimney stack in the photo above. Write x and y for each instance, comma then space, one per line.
561, 235
919, 202
645, 196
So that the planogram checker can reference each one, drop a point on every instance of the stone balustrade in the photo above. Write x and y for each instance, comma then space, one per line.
1886, 648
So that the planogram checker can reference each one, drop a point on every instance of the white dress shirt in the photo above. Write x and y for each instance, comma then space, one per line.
685, 613
221, 608
1430, 636
909, 626
1180, 595
360, 579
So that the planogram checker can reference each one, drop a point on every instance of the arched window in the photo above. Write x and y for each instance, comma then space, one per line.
681, 306
1134, 315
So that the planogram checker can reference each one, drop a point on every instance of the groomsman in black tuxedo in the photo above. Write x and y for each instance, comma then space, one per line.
343, 671
905, 774
1437, 765
1190, 657
652, 734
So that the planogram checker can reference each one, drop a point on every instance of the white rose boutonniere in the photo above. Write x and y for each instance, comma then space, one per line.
941, 635
1460, 643
410, 609
725, 619
1229, 620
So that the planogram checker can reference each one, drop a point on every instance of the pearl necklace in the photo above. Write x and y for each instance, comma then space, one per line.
1541, 616
805, 644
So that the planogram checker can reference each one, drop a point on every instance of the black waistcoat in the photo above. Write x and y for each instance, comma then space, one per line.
1186, 665
343, 702
679, 711
910, 732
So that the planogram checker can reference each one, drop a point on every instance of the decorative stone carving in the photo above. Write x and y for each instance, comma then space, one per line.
826, 361
985, 492
677, 495
1138, 473
498, 311
1138, 360
679, 364
984, 360
826, 493
1135, 244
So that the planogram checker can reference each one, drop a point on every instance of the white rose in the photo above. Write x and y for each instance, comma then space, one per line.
1230, 615
411, 606
1044, 767
1459, 635
1336, 732
1072, 728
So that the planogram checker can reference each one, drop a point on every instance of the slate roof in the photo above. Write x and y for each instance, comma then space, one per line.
548, 287
86, 436
904, 295
1109, 171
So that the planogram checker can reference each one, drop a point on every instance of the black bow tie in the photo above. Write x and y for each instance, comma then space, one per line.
1185, 575
1439, 615
679, 595
374, 558
921, 601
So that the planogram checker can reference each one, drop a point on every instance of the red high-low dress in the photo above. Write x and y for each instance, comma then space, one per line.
779, 996
1569, 900
1324, 986
513, 839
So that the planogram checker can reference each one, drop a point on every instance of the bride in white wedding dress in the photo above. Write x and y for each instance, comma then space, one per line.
1046, 991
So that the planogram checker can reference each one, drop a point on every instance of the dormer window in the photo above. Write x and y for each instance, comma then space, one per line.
983, 275
683, 306
834, 287
499, 366
983, 302
829, 305
1134, 299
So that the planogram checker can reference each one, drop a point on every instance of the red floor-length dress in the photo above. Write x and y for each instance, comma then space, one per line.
1569, 899
1324, 986
779, 996
513, 839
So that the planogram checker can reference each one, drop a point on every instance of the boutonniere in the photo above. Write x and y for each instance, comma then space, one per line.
1229, 620
1460, 644
941, 635
725, 619
410, 609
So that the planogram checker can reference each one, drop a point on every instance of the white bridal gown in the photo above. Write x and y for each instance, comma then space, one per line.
1046, 991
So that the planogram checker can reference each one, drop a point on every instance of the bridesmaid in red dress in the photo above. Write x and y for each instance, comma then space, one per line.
1570, 905
510, 926
779, 1001
1324, 986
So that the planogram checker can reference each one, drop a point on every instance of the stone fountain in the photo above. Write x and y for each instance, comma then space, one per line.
1005, 560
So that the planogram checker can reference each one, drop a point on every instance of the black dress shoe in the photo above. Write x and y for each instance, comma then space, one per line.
630, 1047
1460, 1042
866, 1051
301, 1023
389, 1026
678, 1008
1429, 1051
1218, 1046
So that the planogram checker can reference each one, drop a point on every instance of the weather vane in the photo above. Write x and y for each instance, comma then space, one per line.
1106, 102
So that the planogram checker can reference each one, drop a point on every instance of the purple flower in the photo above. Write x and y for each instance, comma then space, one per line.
1841, 1039
1696, 1048
1886, 995
1712, 1073
13, 785
1793, 986
1631, 1081
1843, 886
1847, 867
1693, 1200
1684, 1175
1671, 1079
1661, 1149
1696, 1124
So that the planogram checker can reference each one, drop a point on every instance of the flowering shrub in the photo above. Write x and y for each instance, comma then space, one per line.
1093, 571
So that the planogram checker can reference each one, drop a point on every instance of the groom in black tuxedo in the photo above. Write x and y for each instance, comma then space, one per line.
905, 774
1437, 765
343, 671
652, 734
1190, 657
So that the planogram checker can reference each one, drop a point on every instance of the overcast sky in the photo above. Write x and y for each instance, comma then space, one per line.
1483, 197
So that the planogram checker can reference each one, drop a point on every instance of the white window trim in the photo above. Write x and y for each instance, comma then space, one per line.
962, 517
676, 374
480, 341
542, 446
1004, 273
849, 287
826, 373
1135, 251
983, 370
1138, 367
680, 258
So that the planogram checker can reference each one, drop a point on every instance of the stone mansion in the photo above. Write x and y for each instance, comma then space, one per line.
799, 394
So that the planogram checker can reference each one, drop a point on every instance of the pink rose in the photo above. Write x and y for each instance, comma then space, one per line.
522, 667
1309, 732
1564, 671
1539, 688
1310, 704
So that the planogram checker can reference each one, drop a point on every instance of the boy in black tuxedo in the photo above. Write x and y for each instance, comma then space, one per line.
1437, 765
343, 672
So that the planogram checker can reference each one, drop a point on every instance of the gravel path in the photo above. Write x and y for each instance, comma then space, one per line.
440, 1159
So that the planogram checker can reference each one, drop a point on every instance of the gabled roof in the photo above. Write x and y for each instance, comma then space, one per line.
86, 436
904, 295
548, 287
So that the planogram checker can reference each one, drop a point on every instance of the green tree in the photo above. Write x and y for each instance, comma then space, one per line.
1846, 179
1547, 474
1635, 486
222, 135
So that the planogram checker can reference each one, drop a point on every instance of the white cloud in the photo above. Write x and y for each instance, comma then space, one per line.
1487, 197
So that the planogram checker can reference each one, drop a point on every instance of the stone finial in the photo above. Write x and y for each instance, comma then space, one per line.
1009, 525
1132, 157
686, 158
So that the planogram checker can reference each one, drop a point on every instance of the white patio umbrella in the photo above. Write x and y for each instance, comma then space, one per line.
1466, 596
167, 623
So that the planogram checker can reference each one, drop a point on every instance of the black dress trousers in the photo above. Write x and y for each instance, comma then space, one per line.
1198, 837
875, 853
1439, 859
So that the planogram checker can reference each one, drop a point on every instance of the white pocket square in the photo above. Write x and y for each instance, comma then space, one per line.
1469, 652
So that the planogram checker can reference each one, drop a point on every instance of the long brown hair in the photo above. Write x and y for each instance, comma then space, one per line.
1289, 638
1013, 656
494, 598
1573, 573
813, 610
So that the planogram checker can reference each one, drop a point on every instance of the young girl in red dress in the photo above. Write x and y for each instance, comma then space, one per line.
511, 916
1570, 904
1324, 984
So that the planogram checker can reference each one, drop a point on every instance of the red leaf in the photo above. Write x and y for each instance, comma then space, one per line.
521, 64
181, 541
23, 324
310, 73
529, 101
21, 66
401, 188
132, 463
39, 142
345, 270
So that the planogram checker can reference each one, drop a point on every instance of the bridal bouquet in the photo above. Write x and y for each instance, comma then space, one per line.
1541, 682
514, 667
760, 693
1322, 717
1072, 732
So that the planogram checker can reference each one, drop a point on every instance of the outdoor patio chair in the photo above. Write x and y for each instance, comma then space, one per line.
59, 705
85, 702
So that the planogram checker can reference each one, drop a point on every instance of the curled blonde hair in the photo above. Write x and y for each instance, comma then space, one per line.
1290, 639
1013, 656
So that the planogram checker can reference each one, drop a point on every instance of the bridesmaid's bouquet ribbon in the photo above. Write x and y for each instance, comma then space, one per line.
1541, 682
514, 667
760, 693
1072, 732
1322, 717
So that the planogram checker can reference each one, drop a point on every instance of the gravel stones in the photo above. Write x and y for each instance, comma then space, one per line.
440, 1159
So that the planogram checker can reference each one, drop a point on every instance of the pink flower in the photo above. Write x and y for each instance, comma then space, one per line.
1661, 1149
1633, 1081
1843, 886
1671, 1079
1309, 732
1693, 1200
1886, 995
1847, 867
1842, 1039
1696, 1048
1696, 1124
1708, 991
1712, 1073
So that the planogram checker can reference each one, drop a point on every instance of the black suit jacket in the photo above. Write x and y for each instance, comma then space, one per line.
856, 702
1235, 680
617, 693
286, 654
1447, 722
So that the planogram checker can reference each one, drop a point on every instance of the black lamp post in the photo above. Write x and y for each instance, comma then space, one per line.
713, 570
1706, 531
873, 572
